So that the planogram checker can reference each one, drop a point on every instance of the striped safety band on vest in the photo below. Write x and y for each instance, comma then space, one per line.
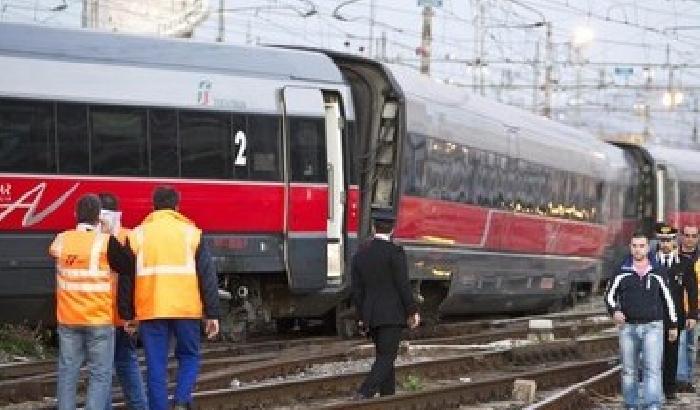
93, 270
188, 268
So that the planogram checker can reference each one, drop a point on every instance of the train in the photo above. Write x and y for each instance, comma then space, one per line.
281, 154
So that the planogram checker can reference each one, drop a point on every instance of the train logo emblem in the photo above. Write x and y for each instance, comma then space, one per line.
204, 93
5, 192
30, 201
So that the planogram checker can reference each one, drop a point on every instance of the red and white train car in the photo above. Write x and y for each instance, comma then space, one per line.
280, 156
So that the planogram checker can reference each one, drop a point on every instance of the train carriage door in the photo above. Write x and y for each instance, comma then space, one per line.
314, 186
336, 191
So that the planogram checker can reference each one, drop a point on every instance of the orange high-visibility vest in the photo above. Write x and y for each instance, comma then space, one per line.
166, 277
696, 272
83, 280
121, 236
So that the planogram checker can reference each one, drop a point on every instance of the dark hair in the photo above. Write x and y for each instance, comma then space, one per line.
165, 197
109, 201
87, 209
383, 226
640, 234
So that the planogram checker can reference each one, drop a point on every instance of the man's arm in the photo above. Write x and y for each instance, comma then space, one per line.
208, 282
611, 297
121, 259
691, 287
400, 276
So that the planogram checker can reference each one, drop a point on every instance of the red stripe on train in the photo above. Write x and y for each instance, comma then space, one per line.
437, 221
47, 203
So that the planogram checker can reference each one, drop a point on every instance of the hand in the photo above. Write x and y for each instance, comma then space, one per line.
414, 320
361, 328
211, 327
619, 317
690, 324
672, 335
130, 327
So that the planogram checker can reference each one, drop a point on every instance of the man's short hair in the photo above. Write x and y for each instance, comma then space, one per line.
640, 234
87, 209
383, 226
165, 197
109, 201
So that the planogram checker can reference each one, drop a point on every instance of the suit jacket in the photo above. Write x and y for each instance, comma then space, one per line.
381, 292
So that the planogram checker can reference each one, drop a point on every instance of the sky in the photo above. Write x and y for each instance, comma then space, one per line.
636, 50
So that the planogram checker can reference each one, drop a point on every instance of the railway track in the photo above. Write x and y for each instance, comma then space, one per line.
285, 393
270, 359
579, 395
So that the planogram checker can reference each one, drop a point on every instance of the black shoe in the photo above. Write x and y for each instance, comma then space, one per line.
671, 395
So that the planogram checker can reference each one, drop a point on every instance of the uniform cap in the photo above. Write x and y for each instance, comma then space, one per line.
665, 231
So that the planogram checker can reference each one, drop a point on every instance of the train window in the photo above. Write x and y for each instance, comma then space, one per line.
118, 141
414, 164
73, 141
264, 144
162, 125
204, 144
689, 193
27, 137
307, 138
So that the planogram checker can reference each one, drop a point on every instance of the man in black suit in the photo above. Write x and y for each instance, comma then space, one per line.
383, 301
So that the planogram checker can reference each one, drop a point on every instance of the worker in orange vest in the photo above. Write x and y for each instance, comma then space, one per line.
174, 287
85, 258
126, 364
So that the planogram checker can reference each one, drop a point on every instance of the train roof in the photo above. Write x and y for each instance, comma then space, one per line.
685, 161
443, 110
25, 40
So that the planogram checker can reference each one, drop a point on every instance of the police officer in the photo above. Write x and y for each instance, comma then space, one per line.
384, 302
175, 286
680, 277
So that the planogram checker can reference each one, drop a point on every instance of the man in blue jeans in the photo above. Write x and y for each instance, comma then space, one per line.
126, 363
638, 299
85, 258
688, 337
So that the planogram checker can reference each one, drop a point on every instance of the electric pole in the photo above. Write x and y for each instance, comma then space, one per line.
426, 40
547, 111
536, 77
220, 36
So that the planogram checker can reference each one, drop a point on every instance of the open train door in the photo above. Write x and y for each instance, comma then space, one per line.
314, 189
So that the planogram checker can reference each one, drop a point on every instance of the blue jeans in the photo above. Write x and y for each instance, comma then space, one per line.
646, 339
156, 335
77, 344
126, 365
686, 356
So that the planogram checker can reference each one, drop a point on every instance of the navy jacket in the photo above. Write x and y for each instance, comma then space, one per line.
381, 291
642, 299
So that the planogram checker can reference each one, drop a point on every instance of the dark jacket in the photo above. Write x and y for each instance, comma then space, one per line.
206, 276
681, 279
642, 299
381, 292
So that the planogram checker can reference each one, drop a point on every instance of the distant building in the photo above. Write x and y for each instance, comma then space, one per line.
173, 18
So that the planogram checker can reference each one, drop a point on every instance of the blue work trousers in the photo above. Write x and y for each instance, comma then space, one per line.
686, 356
156, 335
126, 365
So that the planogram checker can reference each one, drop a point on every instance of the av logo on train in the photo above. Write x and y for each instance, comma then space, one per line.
204, 93
29, 202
